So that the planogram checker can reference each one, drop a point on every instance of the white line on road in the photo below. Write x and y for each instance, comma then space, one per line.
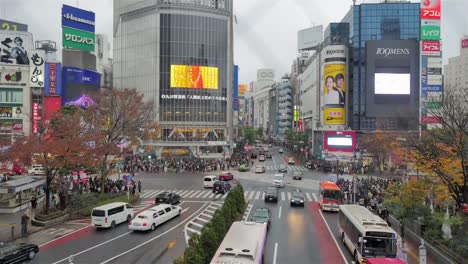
258, 195
206, 195
249, 209
315, 197
282, 196
289, 196
308, 197
275, 253
251, 196
332, 236
193, 194
187, 194
148, 241
182, 193
279, 212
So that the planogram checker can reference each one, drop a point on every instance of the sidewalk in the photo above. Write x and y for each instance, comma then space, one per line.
7, 221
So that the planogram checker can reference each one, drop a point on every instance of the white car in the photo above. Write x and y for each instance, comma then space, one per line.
279, 180
36, 170
291, 161
280, 150
260, 169
154, 216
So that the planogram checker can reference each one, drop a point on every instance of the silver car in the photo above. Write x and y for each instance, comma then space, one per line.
260, 169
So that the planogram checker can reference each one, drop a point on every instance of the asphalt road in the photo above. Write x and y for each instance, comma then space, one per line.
297, 235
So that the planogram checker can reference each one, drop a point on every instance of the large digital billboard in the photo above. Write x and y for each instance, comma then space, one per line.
334, 86
339, 145
392, 83
15, 47
194, 76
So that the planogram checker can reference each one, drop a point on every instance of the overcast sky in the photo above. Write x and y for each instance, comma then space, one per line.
265, 33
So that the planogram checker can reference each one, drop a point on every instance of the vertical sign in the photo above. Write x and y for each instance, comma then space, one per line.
236, 88
52, 78
36, 117
37, 68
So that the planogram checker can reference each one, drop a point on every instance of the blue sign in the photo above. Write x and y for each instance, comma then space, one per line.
431, 88
236, 88
76, 18
77, 75
53, 78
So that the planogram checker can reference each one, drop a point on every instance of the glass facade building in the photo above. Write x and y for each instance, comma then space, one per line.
178, 53
383, 21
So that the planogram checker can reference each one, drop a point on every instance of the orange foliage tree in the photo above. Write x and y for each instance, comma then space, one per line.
380, 145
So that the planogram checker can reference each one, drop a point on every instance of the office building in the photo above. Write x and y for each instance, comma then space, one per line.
456, 71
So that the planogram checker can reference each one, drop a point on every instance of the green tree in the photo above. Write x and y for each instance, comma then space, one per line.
260, 133
209, 242
194, 254
249, 134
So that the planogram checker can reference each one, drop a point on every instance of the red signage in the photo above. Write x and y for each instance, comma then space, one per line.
430, 120
430, 47
36, 117
430, 9
300, 125
53, 78
464, 43
51, 105
17, 127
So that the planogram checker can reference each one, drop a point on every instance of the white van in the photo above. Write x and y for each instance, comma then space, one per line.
209, 180
278, 180
36, 169
112, 214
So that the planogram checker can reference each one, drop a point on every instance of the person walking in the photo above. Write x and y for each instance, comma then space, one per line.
139, 186
34, 202
24, 223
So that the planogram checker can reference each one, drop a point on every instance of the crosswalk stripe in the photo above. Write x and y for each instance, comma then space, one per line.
187, 194
218, 195
263, 196
289, 196
258, 195
225, 195
148, 193
308, 197
282, 196
200, 194
251, 195
205, 194
246, 194
315, 197
211, 195
194, 194
177, 191
182, 193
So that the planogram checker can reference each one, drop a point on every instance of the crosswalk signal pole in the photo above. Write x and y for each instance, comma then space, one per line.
422, 253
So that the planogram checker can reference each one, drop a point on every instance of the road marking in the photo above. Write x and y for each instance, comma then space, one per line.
61, 237
199, 194
148, 241
279, 212
186, 225
182, 193
332, 236
275, 253
211, 195
179, 192
282, 196
196, 224
206, 194
308, 197
289, 196
203, 219
194, 194
217, 204
315, 196
258, 195
251, 195
193, 231
210, 211
149, 193
224, 195
249, 209
187, 194
207, 215
263, 195
246, 194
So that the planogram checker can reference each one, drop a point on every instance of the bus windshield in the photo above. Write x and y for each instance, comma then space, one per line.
378, 246
331, 195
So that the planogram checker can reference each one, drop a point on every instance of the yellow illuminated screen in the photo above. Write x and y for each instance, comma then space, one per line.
194, 76
242, 89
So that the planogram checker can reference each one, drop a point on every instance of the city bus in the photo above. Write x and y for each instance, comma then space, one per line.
365, 234
330, 196
244, 243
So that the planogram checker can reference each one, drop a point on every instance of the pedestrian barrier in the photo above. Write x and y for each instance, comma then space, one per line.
12, 226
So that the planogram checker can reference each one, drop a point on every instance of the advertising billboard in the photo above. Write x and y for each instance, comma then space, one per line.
36, 117
53, 79
77, 75
14, 76
392, 78
15, 47
309, 38
430, 48
236, 88
430, 29
37, 68
51, 104
194, 77
431, 9
242, 89
77, 39
464, 43
13, 26
334, 89
76, 18
339, 145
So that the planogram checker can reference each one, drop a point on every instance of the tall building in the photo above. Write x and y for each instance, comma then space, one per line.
179, 54
104, 60
262, 87
284, 115
456, 71
382, 23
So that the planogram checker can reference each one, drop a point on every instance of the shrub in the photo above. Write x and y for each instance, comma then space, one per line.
53, 214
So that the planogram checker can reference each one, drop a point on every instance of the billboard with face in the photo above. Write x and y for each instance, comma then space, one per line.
334, 89
15, 47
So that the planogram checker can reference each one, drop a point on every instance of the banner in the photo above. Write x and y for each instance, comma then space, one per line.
430, 29
15, 47
77, 75
36, 117
242, 89
51, 105
236, 88
77, 39
334, 116
53, 79
431, 9
76, 18
430, 47
14, 76
37, 68
194, 76
334, 94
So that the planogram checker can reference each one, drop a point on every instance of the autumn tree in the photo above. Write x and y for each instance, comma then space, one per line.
61, 143
117, 120
443, 152
380, 145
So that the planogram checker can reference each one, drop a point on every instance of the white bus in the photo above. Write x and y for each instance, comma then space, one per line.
244, 243
365, 234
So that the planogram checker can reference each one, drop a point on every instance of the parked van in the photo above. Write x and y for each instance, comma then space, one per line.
279, 180
36, 169
208, 181
112, 214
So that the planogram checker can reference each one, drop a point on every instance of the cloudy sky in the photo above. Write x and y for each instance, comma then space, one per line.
265, 33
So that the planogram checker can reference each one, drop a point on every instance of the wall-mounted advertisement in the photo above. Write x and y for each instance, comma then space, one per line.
13, 26
242, 89
431, 9
6, 111
334, 90
51, 105
430, 29
77, 75
53, 79
14, 76
392, 83
36, 117
194, 77
339, 145
236, 88
76, 18
15, 47
37, 68
77, 39
430, 48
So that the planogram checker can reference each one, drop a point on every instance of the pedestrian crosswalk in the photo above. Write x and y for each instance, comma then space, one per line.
208, 194
290, 168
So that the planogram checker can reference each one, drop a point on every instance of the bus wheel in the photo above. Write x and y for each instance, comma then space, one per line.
355, 257
343, 238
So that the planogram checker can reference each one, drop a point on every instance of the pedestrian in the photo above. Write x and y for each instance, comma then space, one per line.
139, 186
34, 202
24, 223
